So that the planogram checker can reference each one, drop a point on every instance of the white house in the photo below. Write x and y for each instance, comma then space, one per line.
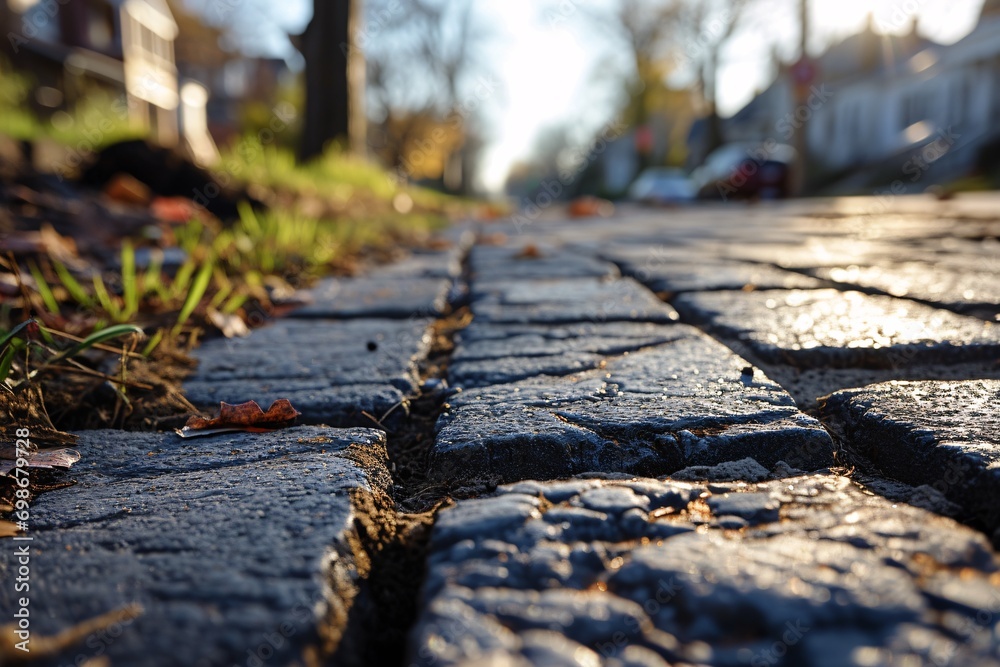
887, 96
927, 91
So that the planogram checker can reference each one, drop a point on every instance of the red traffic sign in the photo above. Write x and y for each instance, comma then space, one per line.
804, 72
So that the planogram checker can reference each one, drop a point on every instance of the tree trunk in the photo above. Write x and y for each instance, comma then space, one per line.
326, 47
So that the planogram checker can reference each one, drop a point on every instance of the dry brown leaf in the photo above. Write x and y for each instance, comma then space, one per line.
127, 189
173, 209
591, 207
529, 251
243, 417
8, 529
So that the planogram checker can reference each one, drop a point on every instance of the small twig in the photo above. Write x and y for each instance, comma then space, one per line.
391, 410
103, 376
380, 425
98, 346
187, 404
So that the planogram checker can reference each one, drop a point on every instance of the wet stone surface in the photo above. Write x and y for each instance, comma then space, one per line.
687, 402
563, 301
332, 370
943, 435
224, 541
389, 296
754, 552
806, 571
833, 329
488, 353
968, 289
674, 274
528, 261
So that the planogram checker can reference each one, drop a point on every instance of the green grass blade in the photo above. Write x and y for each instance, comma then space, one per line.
153, 342
6, 361
130, 286
109, 305
194, 295
152, 278
234, 303
48, 298
16, 330
248, 218
96, 338
182, 279
74, 288
220, 296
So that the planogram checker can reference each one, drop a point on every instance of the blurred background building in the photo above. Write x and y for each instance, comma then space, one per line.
466, 96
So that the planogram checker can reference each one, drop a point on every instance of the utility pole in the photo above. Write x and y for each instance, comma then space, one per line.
803, 73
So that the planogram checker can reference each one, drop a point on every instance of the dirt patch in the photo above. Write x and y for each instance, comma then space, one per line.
148, 396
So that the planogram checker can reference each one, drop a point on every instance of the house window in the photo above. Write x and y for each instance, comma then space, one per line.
100, 27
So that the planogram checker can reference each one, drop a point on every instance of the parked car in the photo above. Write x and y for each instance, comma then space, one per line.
662, 185
746, 171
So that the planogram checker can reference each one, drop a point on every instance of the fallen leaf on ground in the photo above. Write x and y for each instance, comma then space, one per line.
48, 459
44, 647
529, 251
591, 207
127, 189
243, 417
173, 209
496, 238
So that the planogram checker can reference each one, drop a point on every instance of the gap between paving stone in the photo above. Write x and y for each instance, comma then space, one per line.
388, 607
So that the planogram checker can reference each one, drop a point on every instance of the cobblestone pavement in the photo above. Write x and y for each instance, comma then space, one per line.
759, 435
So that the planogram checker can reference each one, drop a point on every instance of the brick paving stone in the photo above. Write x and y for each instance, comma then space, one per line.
225, 541
966, 290
567, 300
375, 297
425, 264
523, 260
938, 434
487, 353
677, 278
833, 329
332, 371
809, 252
688, 402
416, 286
807, 571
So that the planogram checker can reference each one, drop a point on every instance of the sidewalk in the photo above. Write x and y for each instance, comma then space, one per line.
760, 435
